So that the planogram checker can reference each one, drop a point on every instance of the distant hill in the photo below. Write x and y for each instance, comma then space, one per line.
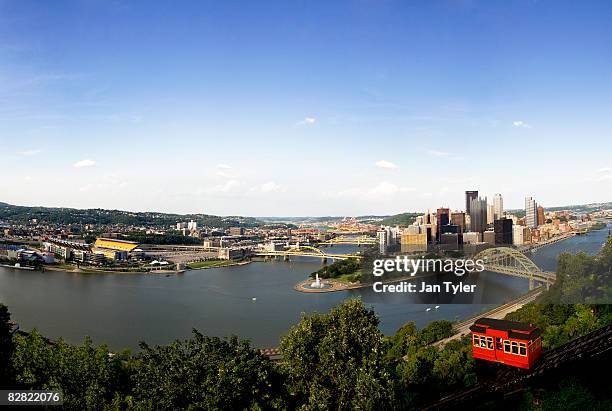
402, 219
52, 215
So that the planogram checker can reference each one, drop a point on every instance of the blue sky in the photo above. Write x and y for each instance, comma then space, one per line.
304, 108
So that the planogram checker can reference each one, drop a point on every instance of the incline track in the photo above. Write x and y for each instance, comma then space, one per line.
595, 346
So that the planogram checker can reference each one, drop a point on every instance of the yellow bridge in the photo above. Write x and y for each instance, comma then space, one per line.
506, 260
342, 239
305, 251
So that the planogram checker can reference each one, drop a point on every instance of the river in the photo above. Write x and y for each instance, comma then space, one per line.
123, 309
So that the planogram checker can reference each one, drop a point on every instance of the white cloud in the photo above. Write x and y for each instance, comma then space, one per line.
437, 153
308, 121
226, 187
386, 188
520, 124
604, 170
268, 187
85, 163
604, 177
30, 152
224, 166
385, 164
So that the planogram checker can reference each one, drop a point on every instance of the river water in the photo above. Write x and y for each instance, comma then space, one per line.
123, 309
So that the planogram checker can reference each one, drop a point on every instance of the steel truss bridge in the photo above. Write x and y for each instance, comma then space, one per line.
342, 239
509, 261
305, 251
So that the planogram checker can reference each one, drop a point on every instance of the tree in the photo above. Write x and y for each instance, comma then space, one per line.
435, 331
405, 339
88, 376
571, 394
337, 360
6, 347
205, 373
455, 366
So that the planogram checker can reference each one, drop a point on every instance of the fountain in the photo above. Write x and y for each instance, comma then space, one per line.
317, 283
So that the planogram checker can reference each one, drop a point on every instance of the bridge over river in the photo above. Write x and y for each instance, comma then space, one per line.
509, 261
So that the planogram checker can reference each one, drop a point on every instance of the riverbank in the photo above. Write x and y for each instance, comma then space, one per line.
80, 270
17, 267
224, 263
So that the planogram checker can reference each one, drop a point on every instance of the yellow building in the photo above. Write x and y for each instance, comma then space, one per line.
114, 244
412, 239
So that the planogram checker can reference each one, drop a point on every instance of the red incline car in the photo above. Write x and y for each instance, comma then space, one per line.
509, 342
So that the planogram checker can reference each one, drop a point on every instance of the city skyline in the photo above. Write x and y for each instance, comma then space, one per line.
278, 110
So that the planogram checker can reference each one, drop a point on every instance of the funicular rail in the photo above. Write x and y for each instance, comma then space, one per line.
593, 346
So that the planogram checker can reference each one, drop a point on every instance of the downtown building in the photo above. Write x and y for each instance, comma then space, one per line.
490, 214
458, 219
502, 228
531, 209
541, 218
469, 196
498, 206
442, 219
478, 214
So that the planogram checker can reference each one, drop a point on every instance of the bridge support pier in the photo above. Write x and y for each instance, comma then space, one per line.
324, 260
286, 258
531, 284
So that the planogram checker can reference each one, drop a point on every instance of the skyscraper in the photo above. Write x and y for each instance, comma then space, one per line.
531, 207
469, 196
458, 218
442, 219
490, 213
503, 231
498, 205
541, 219
478, 214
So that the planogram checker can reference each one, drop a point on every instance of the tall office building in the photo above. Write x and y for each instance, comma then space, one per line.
478, 215
531, 207
442, 219
541, 219
498, 205
490, 213
503, 231
469, 196
458, 219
